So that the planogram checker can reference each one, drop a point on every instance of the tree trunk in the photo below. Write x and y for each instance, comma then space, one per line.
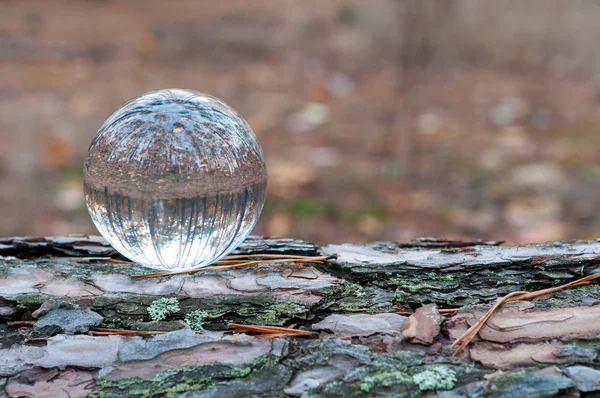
57, 291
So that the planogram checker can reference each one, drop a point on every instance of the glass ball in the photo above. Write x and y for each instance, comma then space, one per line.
175, 179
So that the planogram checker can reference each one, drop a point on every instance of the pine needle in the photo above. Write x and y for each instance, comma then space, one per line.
239, 261
463, 341
17, 324
122, 332
443, 311
269, 332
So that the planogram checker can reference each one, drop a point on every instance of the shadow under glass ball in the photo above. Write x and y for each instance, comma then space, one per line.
175, 179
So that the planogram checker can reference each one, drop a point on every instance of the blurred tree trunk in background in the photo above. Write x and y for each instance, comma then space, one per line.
377, 320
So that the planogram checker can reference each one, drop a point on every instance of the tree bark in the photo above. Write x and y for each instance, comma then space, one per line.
363, 343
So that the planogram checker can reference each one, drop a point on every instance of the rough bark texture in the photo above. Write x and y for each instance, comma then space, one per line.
361, 346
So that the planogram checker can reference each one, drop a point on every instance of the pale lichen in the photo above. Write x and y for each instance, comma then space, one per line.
195, 319
159, 309
383, 379
436, 378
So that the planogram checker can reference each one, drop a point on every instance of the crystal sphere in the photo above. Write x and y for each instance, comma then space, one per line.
175, 179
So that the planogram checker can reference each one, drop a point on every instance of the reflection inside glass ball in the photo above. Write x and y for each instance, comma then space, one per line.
175, 179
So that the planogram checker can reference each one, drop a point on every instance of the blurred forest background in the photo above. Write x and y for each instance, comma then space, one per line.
380, 120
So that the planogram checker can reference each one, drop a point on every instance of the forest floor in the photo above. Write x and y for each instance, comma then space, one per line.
367, 135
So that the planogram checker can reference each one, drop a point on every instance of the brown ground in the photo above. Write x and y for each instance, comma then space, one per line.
380, 120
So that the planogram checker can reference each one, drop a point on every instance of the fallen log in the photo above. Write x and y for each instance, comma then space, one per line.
371, 320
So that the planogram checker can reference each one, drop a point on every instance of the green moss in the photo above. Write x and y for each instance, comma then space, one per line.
435, 378
103, 301
432, 281
128, 302
445, 290
240, 372
30, 300
369, 373
122, 311
433, 287
351, 297
510, 378
372, 379
163, 307
216, 313
125, 310
160, 326
261, 309
366, 386
272, 312
383, 379
527, 384
572, 297
166, 385
408, 358
557, 275
189, 378
434, 297
384, 383
265, 361
582, 351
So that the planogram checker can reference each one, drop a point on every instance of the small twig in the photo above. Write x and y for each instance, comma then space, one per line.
122, 332
443, 311
125, 332
269, 335
17, 324
271, 331
105, 259
275, 256
264, 327
448, 310
470, 334
274, 335
112, 260
279, 259
95, 331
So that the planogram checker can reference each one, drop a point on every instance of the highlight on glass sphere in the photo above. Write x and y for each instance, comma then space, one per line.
175, 179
